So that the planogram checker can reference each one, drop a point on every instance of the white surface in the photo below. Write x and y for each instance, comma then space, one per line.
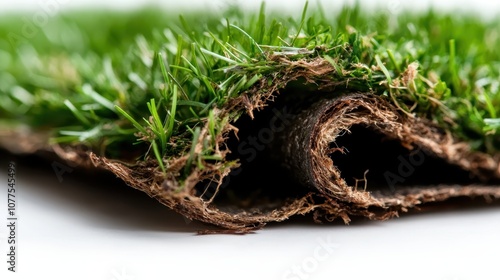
78, 230
485, 7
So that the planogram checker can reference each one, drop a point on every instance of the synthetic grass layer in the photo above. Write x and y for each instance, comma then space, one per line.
239, 118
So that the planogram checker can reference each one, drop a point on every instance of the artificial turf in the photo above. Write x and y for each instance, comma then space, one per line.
164, 88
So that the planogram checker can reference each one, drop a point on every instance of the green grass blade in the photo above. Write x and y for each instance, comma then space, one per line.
131, 120
76, 112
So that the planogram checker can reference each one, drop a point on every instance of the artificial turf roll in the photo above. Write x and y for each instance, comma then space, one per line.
239, 119
360, 150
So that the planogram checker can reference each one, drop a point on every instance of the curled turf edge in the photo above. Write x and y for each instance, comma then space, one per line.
304, 150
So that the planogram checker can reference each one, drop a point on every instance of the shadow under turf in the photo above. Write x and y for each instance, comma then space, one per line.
99, 196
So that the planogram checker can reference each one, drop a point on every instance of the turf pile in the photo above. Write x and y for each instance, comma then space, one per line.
243, 118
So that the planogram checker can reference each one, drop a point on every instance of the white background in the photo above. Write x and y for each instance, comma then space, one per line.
90, 229
489, 7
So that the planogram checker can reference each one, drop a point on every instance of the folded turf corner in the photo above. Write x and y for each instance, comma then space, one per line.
330, 153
